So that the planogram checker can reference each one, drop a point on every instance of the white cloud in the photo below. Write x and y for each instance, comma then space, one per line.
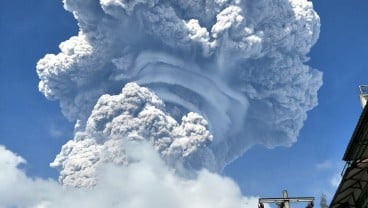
335, 180
146, 183
325, 165
333, 168
57, 131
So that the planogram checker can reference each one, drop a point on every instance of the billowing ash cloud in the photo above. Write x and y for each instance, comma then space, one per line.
147, 183
135, 115
221, 76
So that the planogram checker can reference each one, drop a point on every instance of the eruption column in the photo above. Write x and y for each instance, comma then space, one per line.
214, 78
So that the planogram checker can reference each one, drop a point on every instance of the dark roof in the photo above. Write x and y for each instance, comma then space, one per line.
357, 147
353, 187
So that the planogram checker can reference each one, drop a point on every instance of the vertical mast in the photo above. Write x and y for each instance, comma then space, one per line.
284, 202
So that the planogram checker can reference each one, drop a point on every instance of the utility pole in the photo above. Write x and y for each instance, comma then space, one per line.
284, 202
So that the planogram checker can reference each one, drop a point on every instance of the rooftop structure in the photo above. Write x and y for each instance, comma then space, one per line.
363, 94
353, 188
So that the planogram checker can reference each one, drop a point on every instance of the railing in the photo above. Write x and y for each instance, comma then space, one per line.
346, 166
363, 94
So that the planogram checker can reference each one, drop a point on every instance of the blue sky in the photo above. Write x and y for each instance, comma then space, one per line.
34, 127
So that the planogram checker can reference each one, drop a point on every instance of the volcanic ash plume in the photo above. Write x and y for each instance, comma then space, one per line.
135, 115
202, 81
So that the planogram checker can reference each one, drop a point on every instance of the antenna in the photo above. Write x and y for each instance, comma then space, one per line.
363, 94
284, 202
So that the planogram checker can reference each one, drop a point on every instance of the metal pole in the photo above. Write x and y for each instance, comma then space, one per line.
284, 202
285, 196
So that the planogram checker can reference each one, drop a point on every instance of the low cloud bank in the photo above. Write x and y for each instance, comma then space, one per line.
148, 182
